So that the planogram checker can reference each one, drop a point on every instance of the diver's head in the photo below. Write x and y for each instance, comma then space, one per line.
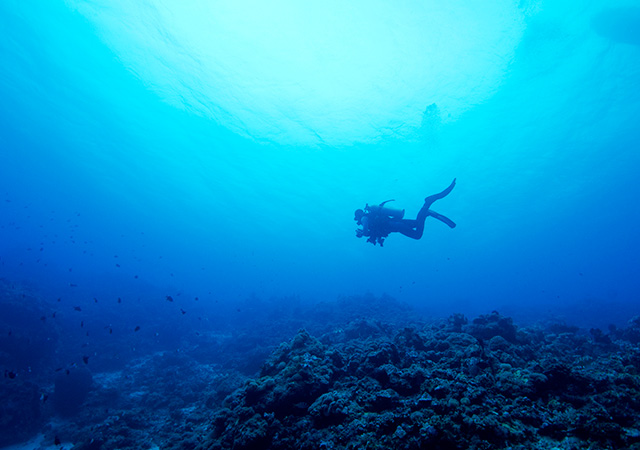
358, 215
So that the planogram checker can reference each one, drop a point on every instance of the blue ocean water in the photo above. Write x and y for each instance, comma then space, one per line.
218, 150
178, 181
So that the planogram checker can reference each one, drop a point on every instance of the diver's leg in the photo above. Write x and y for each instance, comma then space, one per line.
442, 218
407, 227
414, 233
413, 228
417, 226
432, 198
425, 212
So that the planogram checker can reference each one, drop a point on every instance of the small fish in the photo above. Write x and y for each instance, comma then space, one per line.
59, 299
85, 359
119, 300
82, 324
137, 328
95, 300
77, 308
54, 314
43, 318
58, 369
183, 311
169, 298
110, 330
44, 397
56, 441
117, 265
10, 374
135, 276
73, 285
197, 299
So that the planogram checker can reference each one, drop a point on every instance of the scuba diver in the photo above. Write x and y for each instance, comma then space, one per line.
378, 221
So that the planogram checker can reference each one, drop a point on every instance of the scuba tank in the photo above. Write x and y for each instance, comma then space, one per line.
385, 210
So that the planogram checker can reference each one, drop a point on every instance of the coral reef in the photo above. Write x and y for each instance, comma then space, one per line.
483, 385
359, 373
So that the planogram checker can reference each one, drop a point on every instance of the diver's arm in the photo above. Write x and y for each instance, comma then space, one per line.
365, 225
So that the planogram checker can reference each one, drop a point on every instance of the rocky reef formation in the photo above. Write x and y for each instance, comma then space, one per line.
455, 385
359, 373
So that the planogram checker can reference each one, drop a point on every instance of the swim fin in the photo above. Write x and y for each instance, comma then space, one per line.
442, 218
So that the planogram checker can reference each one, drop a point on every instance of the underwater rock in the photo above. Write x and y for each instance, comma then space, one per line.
293, 378
367, 383
490, 325
20, 413
29, 334
71, 389
456, 322
473, 386
333, 408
